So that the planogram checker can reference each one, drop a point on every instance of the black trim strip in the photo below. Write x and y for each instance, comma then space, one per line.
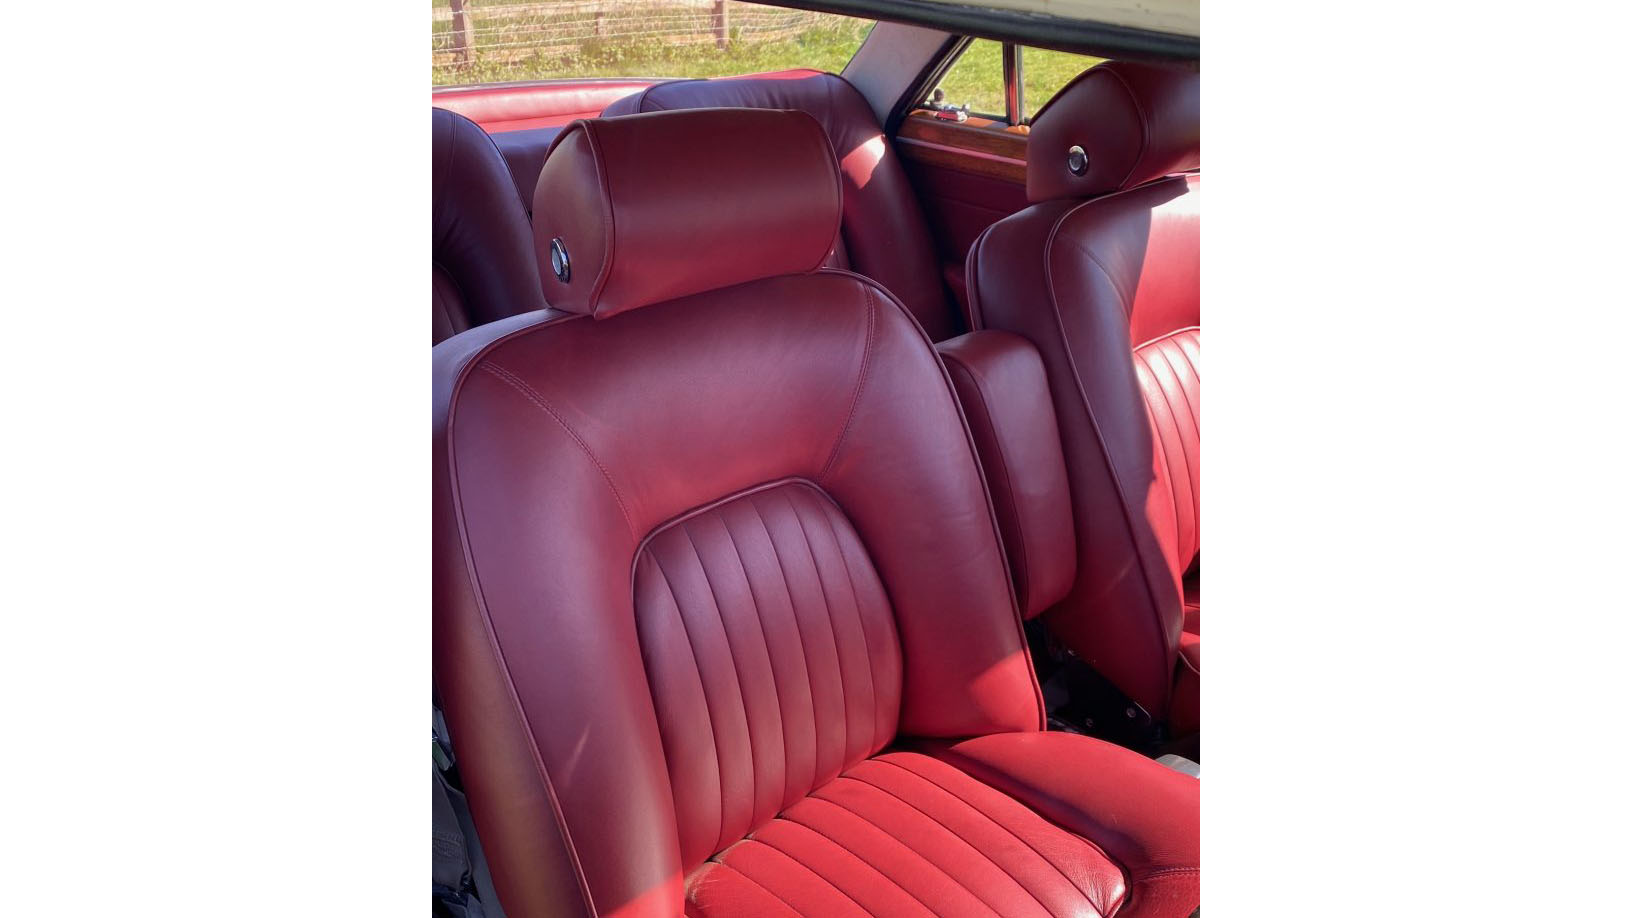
1035, 29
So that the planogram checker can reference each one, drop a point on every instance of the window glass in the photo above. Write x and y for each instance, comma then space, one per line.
1046, 73
493, 41
976, 79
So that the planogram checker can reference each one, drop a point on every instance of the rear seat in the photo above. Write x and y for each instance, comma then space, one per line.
885, 236
884, 232
482, 262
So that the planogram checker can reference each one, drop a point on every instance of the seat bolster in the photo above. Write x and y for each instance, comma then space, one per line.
1003, 388
1142, 815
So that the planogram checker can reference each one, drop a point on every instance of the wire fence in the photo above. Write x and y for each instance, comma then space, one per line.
469, 36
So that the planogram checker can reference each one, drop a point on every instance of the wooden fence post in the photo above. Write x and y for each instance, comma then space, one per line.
722, 25
461, 31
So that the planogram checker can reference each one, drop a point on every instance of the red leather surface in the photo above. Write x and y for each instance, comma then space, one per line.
884, 229
482, 263
1136, 122
1146, 820
640, 518
547, 104
1003, 387
1101, 287
658, 206
569, 443
907, 834
758, 621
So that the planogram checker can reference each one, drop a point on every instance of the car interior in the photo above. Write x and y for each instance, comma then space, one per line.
817, 487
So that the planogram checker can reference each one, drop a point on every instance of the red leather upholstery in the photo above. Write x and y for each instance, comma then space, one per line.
482, 264
1135, 123
1003, 388
701, 563
500, 109
884, 230
640, 230
1108, 290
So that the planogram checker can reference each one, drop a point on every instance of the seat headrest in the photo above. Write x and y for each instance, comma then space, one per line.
641, 209
1116, 126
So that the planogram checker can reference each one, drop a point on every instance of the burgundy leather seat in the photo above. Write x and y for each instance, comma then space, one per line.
482, 263
885, 235
1102, 275
721, 620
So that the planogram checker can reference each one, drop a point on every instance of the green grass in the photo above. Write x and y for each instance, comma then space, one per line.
977, 77
826, 46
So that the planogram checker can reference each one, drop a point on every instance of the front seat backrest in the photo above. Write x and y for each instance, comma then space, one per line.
482, 264
709, 532
885, 234
1102, 275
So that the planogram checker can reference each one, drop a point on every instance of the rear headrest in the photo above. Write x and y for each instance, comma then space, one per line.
1116, 126
645, 208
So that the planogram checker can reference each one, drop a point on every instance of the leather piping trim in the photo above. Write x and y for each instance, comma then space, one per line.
527, 391
465, 371
1165, 335
861, 383
1093, 419
712, 505
974, 455
1144, 130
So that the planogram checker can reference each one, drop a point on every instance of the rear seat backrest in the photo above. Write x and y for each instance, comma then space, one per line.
1108, 291
482, 263
885, 234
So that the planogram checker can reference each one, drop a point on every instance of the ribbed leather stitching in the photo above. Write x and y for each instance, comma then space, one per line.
905, 834
795, 663
1169, 370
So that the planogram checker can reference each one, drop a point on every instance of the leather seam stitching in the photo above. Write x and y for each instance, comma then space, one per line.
768, 891
807, 868
1093, 419
1086, 895
736, 674
702, 684
776, 683
867, 646
959, 835
945, 757
1166, 335
861, 383
827, 604
804, 654
903, 845
532, 395
587, 896
843, 850
1178, 434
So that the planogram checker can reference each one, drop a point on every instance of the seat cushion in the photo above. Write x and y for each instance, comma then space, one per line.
931, 832
1147, 820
